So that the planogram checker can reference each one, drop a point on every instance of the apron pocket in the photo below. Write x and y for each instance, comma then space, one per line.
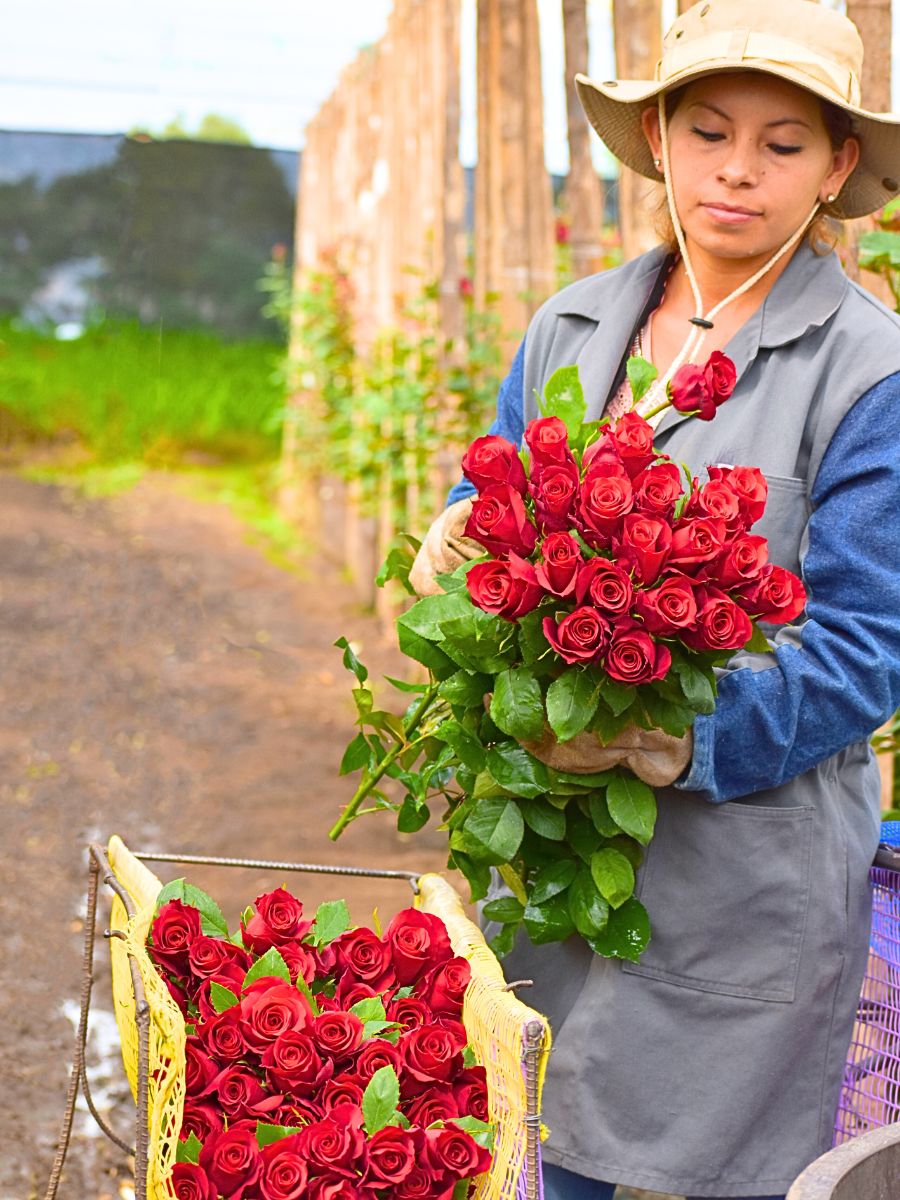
727, 889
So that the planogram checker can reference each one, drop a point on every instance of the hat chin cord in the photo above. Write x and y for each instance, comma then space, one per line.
702, 322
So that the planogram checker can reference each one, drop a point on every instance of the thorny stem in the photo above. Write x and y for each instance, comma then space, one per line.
369, 781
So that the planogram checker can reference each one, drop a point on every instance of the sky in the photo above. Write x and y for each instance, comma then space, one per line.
106, 66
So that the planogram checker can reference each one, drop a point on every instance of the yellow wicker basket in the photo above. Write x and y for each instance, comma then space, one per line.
512, 1040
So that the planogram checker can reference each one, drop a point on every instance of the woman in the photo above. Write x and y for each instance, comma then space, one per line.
712, 1068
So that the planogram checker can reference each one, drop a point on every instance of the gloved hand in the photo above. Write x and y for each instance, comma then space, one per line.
444, 548
656, 757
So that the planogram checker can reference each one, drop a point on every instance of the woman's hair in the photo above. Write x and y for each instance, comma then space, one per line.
824, 229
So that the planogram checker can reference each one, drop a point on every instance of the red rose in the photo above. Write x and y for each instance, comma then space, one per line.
471, 1094
432, 1106
605, 585
498, 521
445, 987
420, 1184
269, 1009
239, 1091
696, 540
337, 1034
190, 1182
657, 488
432, 1052
644, 543
606, 497
548, 440
341, 1091
720, 375
391, 1155
230, 976
750, 485
300, 960
721, 625
336, 1187
456, 1152
554, 490
293, 1064
278, 919
375, 1054
222, 1035
560, 561
739, 563
670, 607
509, 588
633, 438
634, 657
232, 1161
200, 1069
335, 1144
366, 957
208, 956
409, 1012
417, 941
689, 392
719, 500
295, 1111
174, 930
778, 596
200, 1119
580, 637
493, 459
284, 1173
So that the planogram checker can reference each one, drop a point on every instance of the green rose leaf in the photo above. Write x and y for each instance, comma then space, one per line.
266, 1135
426, 615
380, 1099
517, 706
632, 805
306, 991
626, 934
212, 919
467, 747
332, 919
759, 643
619, 697
550, 922
598, 811
504, 910
552, 880
564, 398
545, 819
698, 691
270, 964
515, 770
504, 941
222, 998
465, 689
571, 703
356, 755
640, 375
188, 1151
478, 875
588, 909
415, 646
351, 662
412, 816
493, 832
613, 875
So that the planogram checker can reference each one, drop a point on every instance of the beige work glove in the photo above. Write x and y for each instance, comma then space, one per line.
656, 757
444, 548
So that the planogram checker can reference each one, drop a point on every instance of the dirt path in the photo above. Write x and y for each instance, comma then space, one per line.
160, 679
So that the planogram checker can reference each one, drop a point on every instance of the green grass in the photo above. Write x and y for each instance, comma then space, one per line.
133, 394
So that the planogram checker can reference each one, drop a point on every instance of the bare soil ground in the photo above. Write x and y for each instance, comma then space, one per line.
159, 679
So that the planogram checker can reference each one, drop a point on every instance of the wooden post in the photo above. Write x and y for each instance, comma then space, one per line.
584, 192
637, 30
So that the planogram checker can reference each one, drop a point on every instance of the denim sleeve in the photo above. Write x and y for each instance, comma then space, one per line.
510, 419
840, 679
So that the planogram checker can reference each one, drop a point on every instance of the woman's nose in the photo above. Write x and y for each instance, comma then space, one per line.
740, 165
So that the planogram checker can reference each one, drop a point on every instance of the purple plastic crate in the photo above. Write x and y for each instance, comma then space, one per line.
870, 1095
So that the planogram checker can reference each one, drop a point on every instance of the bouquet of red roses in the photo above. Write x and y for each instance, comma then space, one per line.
322, 1061
613, 586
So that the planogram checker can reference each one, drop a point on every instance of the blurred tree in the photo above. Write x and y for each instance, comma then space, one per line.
583, 196
213, 127
637, 31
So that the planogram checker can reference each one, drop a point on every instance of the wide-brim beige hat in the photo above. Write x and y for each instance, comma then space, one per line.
798, 40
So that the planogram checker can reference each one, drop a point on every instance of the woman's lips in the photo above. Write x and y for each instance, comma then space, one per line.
729, 216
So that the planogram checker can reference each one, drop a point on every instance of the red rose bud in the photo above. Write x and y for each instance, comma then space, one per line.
606, 497
719, 500
580, 637
432, 1052
721, 625
633, 656
341, 1091
201, 1119
720, 375
471, 1093
431, 1106
456, 1152
278, 919
657, 488
508, 587
209, 955
222, 1035
670, 607
174, 930
366, 957
560, 561
232, 1161
375, 1054
336, 1144
740, 562
498, 521
644, 545
300, 960
391, 1155
270, 1008
548, 440
778, 596
337, 1034
696, 540
633, 438
238, 1091
605, 585
190, 1182
688, 390
409, 1012
293, 1064
284, 1174
444, 988
418, 941
750, 485
554, 491
491, 460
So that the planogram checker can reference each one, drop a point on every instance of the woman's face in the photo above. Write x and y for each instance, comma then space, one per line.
749, 156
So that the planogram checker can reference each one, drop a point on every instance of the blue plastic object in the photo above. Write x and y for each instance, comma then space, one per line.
890, 833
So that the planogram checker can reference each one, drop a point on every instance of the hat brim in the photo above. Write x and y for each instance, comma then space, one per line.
614, 109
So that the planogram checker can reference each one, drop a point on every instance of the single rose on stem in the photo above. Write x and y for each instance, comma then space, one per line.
643, 544
670, 607
418, 941
232, 1161
605, 585
548, 440
493, 459
174, 930
633, 656
633, 439
498, 521
561, 559
606, 497
581, 637
508, 587
278, 919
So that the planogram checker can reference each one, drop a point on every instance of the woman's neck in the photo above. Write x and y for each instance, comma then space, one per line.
718, 277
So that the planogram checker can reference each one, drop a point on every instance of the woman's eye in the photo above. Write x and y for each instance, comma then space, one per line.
706, 134
784, 149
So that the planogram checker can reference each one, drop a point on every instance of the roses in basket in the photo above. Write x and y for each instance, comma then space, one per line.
613, 586
321, 1060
